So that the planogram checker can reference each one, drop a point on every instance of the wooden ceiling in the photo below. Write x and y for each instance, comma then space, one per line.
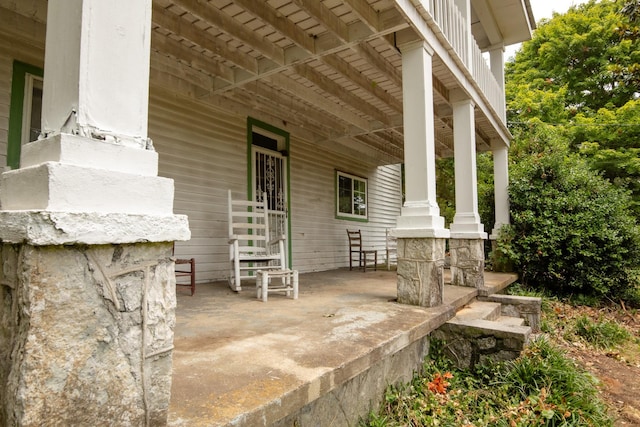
325, 70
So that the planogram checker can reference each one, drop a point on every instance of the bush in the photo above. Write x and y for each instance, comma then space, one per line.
541, 387
571, 230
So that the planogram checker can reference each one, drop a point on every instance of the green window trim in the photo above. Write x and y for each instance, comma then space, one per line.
16, 109
351, 197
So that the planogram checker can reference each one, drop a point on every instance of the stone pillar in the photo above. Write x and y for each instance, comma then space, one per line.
420, 228
501, 186
467, 232
87, 288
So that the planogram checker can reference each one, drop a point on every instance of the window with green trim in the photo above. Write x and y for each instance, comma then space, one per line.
25, 110
351, 195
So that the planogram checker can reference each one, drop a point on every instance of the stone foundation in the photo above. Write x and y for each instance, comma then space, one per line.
86, 336
421, 271
467, 262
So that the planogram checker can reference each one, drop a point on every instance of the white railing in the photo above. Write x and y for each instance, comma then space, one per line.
453, 27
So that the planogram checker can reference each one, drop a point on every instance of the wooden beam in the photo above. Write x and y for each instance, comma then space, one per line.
344, 68
195, 59
280, 23
325, 17
366, 14
374, 58
203, 11
334, 89
309, 95
177, 25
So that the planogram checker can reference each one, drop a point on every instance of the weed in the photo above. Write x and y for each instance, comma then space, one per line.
600, 334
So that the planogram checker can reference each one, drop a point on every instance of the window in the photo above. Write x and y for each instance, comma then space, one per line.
351, 193
25, 110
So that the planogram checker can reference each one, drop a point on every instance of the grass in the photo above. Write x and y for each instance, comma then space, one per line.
541, 387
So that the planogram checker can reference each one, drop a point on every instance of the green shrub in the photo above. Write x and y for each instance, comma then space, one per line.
571, 230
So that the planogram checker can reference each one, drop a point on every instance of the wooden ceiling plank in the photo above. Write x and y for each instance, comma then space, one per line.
173, 23
315, 98
344, 68
195, 59
334, 89
280, 23
216, 18
326, 17
374, 58
366, 14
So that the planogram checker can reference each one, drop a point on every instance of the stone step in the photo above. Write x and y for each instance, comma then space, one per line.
509, 320
485, 310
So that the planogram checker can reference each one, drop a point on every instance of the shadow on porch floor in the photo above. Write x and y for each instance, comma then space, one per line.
239, 361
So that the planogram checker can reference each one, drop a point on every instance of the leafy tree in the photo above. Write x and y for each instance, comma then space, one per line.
581, 73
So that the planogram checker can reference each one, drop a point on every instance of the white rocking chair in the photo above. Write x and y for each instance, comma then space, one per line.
251, 248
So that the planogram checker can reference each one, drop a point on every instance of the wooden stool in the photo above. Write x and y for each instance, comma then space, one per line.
364, 254
288, 283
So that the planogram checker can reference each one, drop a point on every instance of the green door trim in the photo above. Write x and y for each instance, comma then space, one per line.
251, 123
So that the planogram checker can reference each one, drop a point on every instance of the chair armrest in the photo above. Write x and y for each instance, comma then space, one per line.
281, 237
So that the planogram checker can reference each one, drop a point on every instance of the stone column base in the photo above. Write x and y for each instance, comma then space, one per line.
467, 262
87, 334
421, 271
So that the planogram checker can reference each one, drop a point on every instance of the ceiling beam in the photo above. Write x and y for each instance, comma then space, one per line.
181, 52
180, 27
203, 11
344, 68
336, 90
309, 95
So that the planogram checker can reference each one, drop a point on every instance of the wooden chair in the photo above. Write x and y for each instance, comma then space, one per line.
355, 247
251, 248
187, 269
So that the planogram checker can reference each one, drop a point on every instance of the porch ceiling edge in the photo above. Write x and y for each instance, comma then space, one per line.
45, 228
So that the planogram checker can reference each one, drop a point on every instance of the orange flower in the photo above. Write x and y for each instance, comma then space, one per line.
439, 384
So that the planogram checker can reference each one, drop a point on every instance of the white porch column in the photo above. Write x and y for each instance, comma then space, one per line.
86, 231
467, 232
466, 222
501, 186
496, 63
420, 214
420, 228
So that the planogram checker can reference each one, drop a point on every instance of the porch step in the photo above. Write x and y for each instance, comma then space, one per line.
479, 310
479, 331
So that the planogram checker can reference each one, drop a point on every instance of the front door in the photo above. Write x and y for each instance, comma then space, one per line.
269, 175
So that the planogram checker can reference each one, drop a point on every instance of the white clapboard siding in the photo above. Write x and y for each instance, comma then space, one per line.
204, 150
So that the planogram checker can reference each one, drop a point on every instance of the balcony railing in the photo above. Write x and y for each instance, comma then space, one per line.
454, 28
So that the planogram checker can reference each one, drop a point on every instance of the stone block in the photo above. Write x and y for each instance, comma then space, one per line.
421, 271
467, 262
92, 337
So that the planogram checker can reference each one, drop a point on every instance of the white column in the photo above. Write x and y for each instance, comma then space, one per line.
94, 157
420, 215
496, 60
466, 222
501, 186
97, 69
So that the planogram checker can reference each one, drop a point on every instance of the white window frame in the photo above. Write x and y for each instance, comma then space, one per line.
29, 80
352, 215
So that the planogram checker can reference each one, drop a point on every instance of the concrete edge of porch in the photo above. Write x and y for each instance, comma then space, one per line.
356, 374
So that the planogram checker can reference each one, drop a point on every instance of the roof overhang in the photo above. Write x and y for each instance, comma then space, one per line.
501, 22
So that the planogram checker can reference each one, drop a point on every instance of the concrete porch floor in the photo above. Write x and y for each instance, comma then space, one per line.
241, 362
